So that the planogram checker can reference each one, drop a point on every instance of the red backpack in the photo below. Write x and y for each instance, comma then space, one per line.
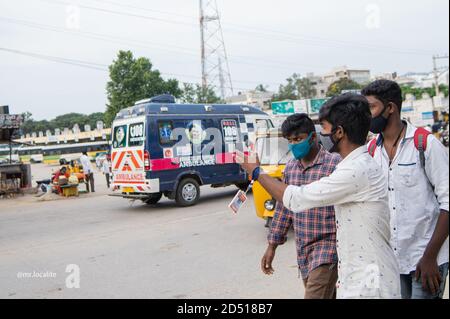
420, 142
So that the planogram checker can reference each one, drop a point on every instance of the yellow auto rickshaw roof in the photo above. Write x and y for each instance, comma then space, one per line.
271, 132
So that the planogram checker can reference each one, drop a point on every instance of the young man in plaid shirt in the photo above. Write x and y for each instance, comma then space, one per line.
315, 229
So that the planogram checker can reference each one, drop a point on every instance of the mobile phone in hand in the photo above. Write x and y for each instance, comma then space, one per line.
237, 202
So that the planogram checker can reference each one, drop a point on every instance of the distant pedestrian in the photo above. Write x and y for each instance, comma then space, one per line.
98, 163
106, 169
88, 172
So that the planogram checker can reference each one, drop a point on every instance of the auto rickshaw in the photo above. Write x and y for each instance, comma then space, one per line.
273, 152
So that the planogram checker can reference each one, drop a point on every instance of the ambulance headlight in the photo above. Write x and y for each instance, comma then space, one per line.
269, 205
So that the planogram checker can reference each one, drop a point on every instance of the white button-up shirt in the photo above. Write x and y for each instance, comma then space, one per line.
86, 162
106, 167
416, 197
367, 264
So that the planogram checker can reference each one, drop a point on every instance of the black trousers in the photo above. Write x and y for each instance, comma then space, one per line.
108, 182
90, 182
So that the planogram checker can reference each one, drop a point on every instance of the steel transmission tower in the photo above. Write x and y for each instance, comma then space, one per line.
215, 66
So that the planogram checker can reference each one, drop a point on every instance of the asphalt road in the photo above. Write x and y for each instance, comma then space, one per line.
127, 250
130, 250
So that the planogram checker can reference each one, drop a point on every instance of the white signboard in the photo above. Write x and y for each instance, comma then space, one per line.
301, 106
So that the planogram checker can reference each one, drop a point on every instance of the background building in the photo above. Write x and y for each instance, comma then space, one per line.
361, 76
256, 98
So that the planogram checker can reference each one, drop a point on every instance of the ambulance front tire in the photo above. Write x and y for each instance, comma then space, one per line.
153, 199
188, 192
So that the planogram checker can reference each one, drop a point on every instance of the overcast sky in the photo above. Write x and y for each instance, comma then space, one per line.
266, 40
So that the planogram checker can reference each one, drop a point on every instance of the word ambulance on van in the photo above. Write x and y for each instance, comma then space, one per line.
163, 148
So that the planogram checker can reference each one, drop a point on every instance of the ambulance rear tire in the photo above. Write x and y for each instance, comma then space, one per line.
153, 199
188, 193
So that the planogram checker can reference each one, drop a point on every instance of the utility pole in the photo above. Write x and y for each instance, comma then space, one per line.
215, 66
436, 70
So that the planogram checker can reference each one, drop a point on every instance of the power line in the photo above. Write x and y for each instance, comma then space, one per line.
95, 66
84, 64
93, 35
260, 32
145, 9
133, 15
237, 59
271, 31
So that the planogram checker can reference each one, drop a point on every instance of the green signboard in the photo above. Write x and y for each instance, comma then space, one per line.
281, 108
311, 107
316, 105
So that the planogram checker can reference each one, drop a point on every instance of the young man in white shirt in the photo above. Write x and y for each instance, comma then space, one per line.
367, 267
416, 167
88, 172
106, 169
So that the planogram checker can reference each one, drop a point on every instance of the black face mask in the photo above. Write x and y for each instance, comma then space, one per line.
329, 143
379, 123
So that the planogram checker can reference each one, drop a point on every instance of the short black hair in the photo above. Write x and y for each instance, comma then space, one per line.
352, 113
297, 124
386, 91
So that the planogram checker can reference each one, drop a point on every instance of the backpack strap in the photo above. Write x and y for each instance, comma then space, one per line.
421, 142
373, 147
376, 142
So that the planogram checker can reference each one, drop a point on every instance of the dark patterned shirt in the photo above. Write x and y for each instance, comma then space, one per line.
315, 229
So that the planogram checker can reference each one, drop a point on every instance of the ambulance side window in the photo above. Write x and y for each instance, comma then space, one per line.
165, 129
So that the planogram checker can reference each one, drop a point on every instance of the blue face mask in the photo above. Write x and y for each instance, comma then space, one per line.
302, 149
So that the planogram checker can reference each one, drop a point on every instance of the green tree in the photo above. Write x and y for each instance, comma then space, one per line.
189, 94
134, 79
61, 121
28, 123
296, 88
68, 120
418, 92
261, 88
289, 90
27, 116
444, 89
337, 87
305, 88
94, 118
41, 126
197, 94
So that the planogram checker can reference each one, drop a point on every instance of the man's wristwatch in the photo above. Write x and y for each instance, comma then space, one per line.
256, 173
